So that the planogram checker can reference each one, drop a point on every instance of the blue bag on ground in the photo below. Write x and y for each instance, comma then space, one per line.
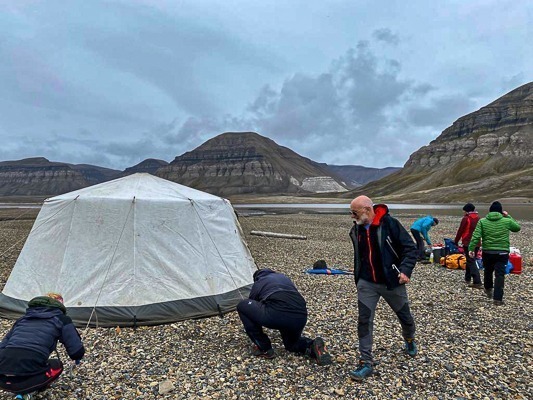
450, 247
328, 271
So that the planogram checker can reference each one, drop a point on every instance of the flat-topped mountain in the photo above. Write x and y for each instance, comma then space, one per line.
246, 162
150, 166
38, 176
357, 175
485, 155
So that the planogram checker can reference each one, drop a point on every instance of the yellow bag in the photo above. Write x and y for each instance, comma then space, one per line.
454, 261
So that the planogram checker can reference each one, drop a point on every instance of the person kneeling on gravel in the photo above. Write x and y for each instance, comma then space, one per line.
384, 258
275, 303
25, 366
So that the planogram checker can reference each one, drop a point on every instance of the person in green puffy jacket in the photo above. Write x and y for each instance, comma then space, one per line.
493, 231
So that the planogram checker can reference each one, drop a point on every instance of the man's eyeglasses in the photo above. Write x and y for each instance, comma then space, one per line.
357, 212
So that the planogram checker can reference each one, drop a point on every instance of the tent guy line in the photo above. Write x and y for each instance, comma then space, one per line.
109, 265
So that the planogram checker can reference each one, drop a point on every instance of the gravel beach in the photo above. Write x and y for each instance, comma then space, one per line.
468, 348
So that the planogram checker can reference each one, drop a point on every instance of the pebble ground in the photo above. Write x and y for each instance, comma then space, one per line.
468, 348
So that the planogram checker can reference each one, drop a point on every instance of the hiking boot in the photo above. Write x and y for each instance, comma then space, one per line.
363, 371
270, 353
27, 396
498, 302
320, 353
489, 293
476, 285
410, 347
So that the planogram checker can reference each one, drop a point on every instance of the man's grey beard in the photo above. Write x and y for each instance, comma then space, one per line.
363, 220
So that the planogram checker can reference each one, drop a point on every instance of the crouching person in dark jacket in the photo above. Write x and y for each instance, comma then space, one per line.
275, 303
25, 366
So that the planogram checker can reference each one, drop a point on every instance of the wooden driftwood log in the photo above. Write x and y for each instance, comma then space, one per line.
278, 235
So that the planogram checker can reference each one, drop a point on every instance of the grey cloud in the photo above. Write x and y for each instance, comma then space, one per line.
422, 89
304, 106
356, 101
386, 35
265, 102
171, 54
28, 79
367, 87
512, 82
315, 115
441, 112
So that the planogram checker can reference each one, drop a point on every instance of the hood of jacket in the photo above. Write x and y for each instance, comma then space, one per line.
46, 302
494, 216
380, 210
262, 273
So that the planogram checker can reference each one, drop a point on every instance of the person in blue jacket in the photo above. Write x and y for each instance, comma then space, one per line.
275, 303
420, 231
25, 366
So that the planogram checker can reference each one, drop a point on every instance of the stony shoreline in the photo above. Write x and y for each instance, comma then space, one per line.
468, 348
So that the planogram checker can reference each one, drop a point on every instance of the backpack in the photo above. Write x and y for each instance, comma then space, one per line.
450, 247
320, 264
454, 261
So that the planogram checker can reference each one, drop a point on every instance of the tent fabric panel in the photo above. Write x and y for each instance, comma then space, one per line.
233, 253
178, 258
37, 268
100, 253
152, 314
169, 255
140, 185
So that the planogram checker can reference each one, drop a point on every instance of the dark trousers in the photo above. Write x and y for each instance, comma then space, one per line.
419, 244
255, 315
368, 295
32, 383
495, 263
471, 270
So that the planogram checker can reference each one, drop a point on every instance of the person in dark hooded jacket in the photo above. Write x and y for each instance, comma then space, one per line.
384, 258
25, 366
275, 303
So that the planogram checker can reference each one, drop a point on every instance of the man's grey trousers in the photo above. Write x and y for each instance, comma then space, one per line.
368, 294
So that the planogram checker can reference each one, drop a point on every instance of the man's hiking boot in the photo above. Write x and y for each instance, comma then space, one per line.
476, 285
27, 396
410, 347
363, 371
489, 293
270, 353
320, 353
498, 302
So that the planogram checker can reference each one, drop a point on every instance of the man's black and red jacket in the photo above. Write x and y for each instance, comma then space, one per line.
385, 243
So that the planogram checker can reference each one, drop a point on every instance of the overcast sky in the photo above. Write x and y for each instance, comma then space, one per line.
112, 83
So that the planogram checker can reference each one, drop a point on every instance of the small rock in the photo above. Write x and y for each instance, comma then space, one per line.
165, 387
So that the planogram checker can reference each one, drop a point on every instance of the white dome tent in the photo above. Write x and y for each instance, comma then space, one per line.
138, 250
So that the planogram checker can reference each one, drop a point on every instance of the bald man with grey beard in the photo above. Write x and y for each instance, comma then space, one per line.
384, 258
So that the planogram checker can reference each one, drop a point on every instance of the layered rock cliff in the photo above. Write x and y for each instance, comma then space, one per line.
484, 155
246, 162
41, 177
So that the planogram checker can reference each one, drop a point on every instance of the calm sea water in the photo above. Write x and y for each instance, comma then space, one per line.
522, 212
518, 211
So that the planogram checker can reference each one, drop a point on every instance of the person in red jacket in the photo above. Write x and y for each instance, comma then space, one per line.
464, 234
